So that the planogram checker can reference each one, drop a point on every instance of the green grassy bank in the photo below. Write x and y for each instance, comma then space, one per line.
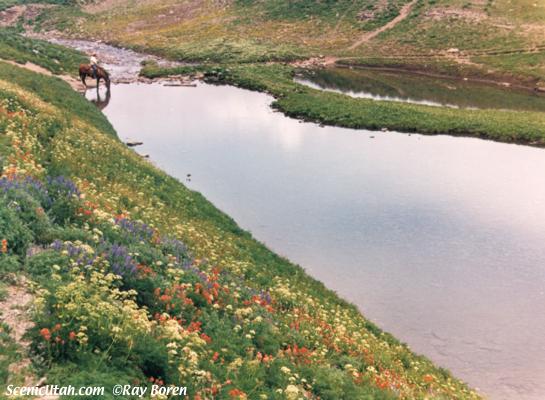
299, 101
138, 280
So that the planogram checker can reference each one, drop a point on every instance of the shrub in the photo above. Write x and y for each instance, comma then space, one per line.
41, 265
9, 265
14, 234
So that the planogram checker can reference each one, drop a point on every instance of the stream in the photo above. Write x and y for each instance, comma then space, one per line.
437, 239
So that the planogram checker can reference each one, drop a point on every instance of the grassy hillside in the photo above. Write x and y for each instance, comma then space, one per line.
139, 280
57, 59
502, 37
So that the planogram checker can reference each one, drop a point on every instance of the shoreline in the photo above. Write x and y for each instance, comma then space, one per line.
326, 108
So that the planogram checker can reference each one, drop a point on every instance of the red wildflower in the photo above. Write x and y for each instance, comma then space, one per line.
237, 394
428, 378
194, 326
46, 334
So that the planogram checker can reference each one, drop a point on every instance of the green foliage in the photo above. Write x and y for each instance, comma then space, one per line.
5, 4
57, 59
12, 229
93, 372
303, 9
41, 265
9, 267
8, 354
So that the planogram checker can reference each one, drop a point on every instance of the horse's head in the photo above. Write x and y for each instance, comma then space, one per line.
106, 77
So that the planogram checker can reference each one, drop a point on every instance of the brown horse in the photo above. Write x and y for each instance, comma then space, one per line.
85, 70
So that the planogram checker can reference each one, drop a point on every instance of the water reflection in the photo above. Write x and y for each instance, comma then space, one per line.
437, 239
418, 89
101, 100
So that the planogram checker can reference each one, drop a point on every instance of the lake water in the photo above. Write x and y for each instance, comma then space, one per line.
420, 89
439, 240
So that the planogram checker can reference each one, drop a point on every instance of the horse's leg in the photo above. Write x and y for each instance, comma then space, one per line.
82, 77
98, 82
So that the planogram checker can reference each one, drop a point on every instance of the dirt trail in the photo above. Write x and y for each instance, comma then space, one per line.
73, 82
403, 13
14, 313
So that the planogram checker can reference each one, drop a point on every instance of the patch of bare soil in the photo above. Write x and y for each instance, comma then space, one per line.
441, 13
28, 12
11, 15
14, 312
105, 5
367, 14
536, 32
403, 13
315, 62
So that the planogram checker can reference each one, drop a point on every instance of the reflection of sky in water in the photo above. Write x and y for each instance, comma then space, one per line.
373, 96
421, 89
437, 239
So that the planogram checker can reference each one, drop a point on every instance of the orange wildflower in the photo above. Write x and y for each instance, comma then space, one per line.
46, 334
237, 394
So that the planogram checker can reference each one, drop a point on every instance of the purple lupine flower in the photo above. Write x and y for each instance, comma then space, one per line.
61, 186
28, 184
136, 230
121, 262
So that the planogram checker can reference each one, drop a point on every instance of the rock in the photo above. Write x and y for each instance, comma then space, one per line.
453, 50
540, 87
133, 143
384, 129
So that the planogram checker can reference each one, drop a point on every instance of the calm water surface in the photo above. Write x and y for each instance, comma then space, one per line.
419, 89
439, 240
